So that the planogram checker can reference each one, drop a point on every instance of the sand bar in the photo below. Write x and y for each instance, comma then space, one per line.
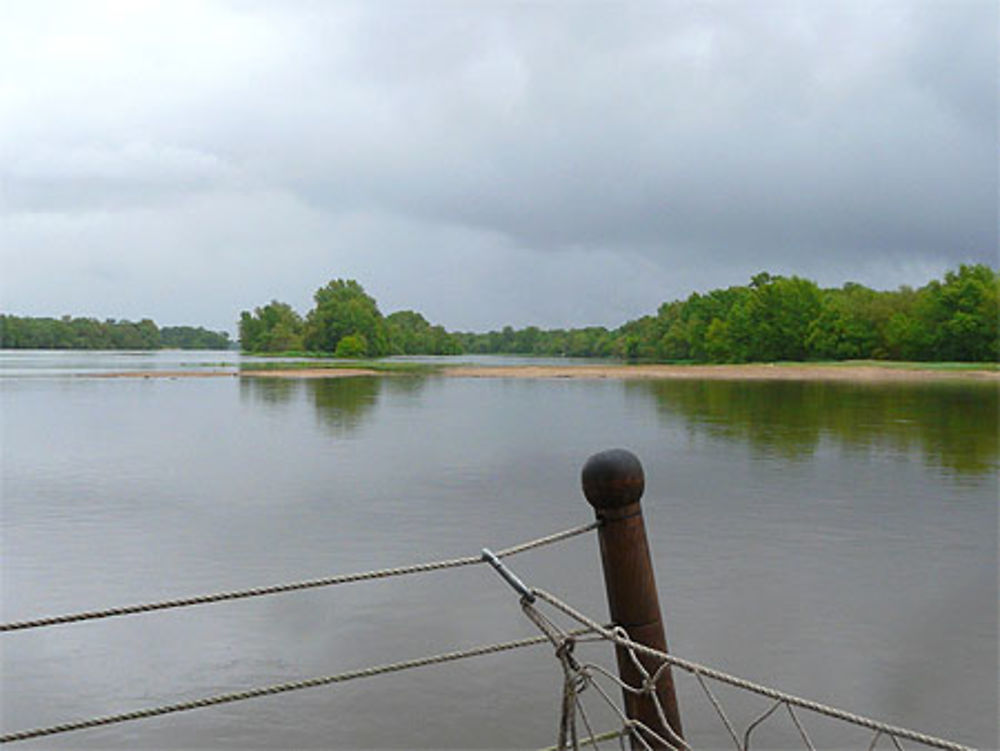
309, 373
753, 372
759, 372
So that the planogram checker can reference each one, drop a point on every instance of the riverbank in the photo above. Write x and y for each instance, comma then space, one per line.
859, 373
746, 372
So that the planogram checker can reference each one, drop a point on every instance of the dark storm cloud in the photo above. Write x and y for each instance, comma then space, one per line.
557, 147
722, 129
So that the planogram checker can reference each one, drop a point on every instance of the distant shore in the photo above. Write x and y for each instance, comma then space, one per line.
861, 373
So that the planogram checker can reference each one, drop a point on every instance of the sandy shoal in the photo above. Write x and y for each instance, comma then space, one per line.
309, 373
759, 372
763, 372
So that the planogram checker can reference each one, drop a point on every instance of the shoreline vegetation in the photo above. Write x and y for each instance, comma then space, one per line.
69, 333
771, 319
857, 372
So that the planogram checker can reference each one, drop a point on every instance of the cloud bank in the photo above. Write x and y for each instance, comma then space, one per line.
554, 164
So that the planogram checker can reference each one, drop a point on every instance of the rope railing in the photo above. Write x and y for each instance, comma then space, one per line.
276, 589
580, 676
613, 483
254, 693
292, 586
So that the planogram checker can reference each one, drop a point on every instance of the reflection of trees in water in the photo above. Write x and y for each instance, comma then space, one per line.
342, 404
271, 391
403, 385
955, 425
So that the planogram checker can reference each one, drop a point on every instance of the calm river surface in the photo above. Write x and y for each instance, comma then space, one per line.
837, 541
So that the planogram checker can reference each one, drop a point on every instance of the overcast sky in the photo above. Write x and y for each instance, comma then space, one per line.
553, 163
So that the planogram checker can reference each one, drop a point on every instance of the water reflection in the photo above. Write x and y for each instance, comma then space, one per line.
954, 425
342, 404
269, 391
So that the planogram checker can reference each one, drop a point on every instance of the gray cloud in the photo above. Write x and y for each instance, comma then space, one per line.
487, 163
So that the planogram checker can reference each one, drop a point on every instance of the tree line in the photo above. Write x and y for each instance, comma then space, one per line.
772, 318
789, 318
345, 322
21, 332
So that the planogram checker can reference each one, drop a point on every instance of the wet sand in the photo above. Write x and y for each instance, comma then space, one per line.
756, 372
309, 373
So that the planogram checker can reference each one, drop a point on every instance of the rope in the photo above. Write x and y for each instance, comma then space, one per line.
618, 637
275, 689
291, 587
577, 677
610, 735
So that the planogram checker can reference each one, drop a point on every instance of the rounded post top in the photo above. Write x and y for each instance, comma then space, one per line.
612, 479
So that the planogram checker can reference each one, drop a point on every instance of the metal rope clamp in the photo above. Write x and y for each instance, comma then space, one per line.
509, 576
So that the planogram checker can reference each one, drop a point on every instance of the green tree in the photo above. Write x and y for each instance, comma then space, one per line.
962, 313
344, 309
68, 332
411, 334
775, 318
275, 327
850, 324
352, 345
193, 337
718, 344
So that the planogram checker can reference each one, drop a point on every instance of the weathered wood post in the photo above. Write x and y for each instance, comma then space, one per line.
613, 482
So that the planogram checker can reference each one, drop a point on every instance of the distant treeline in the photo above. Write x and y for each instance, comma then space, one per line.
772, 318
345, 322
18, 332
789, 318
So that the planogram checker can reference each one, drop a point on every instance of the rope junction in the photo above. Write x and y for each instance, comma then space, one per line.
579, 678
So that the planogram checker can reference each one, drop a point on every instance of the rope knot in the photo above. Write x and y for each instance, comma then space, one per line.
564, 650
648, 687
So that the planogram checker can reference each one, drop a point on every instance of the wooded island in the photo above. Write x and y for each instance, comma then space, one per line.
773, 318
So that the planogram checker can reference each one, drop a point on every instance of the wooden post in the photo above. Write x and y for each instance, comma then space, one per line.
613, 482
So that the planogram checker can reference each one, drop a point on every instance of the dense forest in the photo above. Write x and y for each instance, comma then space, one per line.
773, 318
88, 333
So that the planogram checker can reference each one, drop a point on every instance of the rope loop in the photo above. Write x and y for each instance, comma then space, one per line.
565, 648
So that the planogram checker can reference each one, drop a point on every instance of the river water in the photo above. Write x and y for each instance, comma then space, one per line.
833, 540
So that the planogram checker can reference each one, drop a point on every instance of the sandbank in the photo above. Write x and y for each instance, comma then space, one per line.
750, 372
753, 372
308, 373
